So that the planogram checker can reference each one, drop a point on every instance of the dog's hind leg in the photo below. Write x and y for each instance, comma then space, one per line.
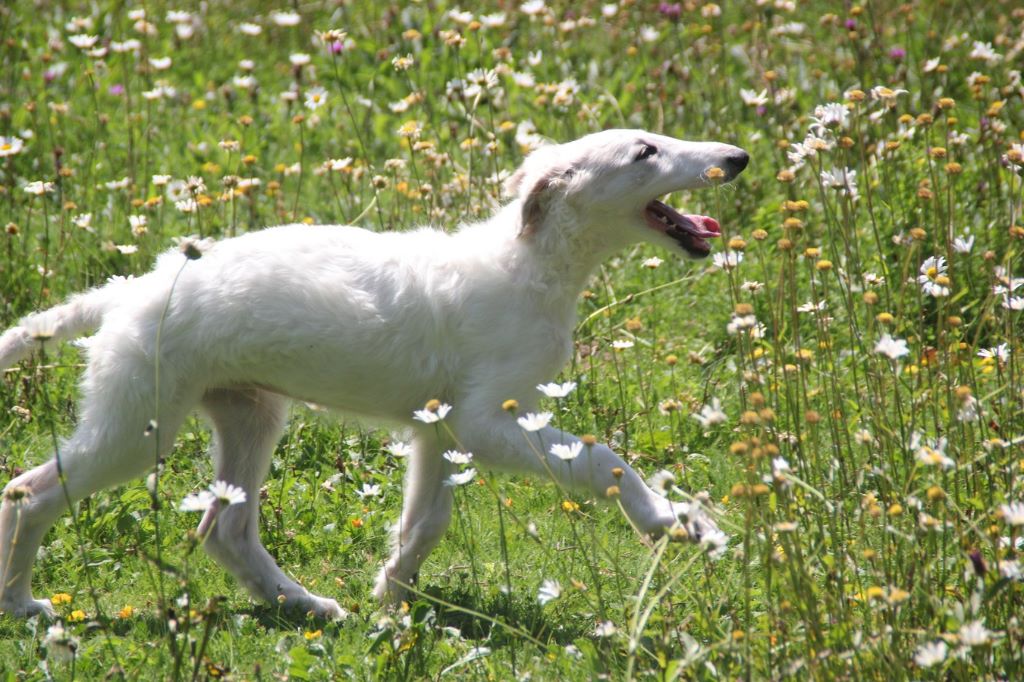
247, 424
426, 512
110, 445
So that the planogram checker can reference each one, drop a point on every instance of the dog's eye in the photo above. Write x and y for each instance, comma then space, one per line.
646, 151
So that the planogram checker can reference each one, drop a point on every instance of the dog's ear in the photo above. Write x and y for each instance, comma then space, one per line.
539, 195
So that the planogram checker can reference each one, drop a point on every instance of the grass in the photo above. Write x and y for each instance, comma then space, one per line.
870, 499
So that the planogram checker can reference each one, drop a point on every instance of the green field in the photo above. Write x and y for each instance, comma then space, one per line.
854, 350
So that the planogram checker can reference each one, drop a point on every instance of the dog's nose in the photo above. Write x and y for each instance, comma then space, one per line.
737, 161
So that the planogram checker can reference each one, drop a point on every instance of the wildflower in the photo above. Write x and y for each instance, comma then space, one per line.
715, 542
1012, 513
553, 390
368, 490
299, 59
285, 19
928, 655
974, 634
886, 95
338, 164
727, 260
398, 449
250, 29
433, 412
969, 409
403, 63
622, 344
605, 629
567, 453
832, 115
844, 180
963, 244
533, 8
661, 482
138, 223
411, 129
39, 187
535, 421
754, 99
41, 327
227, 494
1001, 353
933, 454
893, 348
83, 41
985, 52
201, 501
933, 278
9, 146
160, 63
652, 262
192, 247
456, 457
315, 98
59, 644
711, 414
462, 478
549, 591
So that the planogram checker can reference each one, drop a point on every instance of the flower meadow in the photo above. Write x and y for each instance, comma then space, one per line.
839, 386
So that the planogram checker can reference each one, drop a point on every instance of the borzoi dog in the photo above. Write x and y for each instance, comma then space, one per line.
372, 324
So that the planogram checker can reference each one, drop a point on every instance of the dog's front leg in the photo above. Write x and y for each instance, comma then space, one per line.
426, 512
500, 442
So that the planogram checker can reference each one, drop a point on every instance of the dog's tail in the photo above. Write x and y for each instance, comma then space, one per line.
81, 313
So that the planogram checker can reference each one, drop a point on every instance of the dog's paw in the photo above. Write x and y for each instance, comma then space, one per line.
387, 590
695, 525
318, 607
29, 608
326, 608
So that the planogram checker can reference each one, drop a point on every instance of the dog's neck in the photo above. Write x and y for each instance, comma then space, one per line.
556, 259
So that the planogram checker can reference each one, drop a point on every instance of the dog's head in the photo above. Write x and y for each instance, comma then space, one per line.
612, 181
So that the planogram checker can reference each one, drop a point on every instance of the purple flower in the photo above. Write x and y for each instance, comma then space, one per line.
897, 53
850, 24
337, 47
116, 90
671, 10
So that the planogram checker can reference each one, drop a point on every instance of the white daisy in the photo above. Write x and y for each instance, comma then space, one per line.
554, 390
535, 421
461, 478
1013, 513
893, 348
549, 591
711, 415
432, 416
456, 457
226, 493
930, 654
568, 452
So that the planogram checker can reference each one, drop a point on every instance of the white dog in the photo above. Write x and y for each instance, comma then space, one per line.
373, 324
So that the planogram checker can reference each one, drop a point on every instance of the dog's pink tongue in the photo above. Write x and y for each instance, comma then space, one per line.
704, 226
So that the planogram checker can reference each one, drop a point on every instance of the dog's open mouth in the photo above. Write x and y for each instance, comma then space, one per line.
690, 231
